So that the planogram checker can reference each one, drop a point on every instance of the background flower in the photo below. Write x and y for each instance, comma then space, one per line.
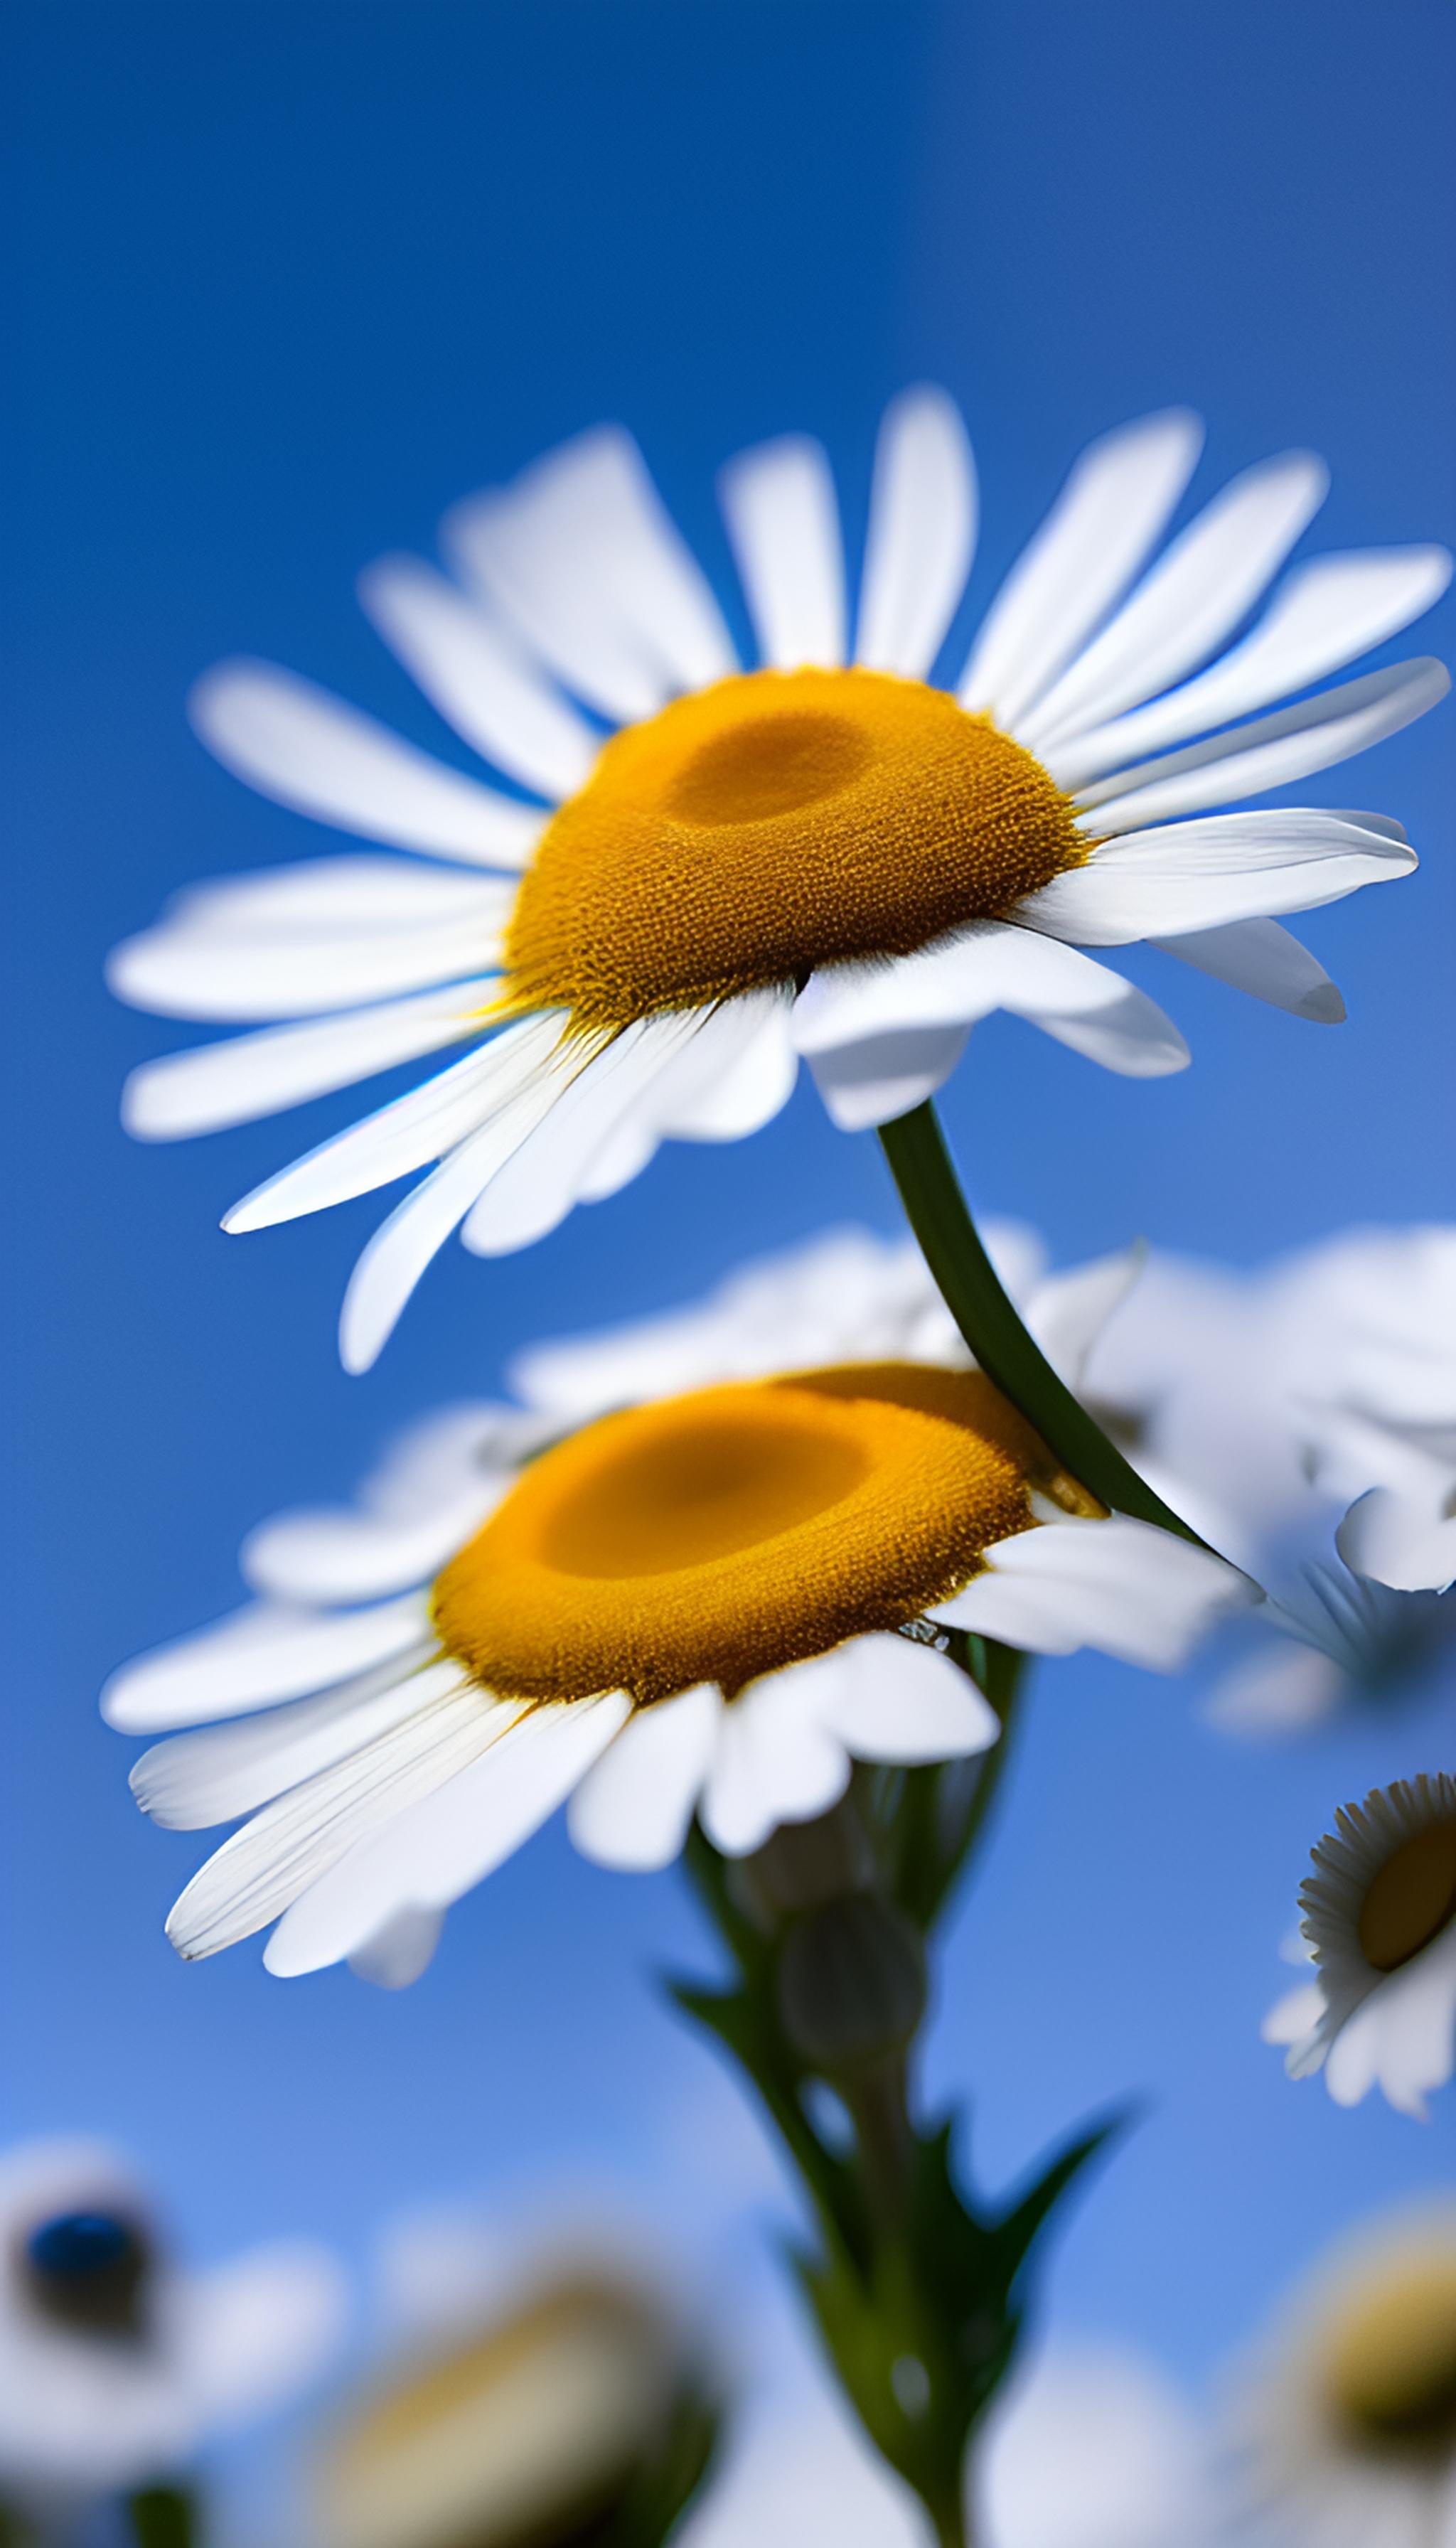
118, 2362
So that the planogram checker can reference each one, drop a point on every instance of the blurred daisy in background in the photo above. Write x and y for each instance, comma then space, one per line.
117, 2363
719, 871
1379, 1915
573, 2408
1346, 2414
683, 1604
1265, 1402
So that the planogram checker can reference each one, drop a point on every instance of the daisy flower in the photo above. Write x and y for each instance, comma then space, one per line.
1336, 1639
1347, 2420
117, 2363
716, 871
576, 2410
690, 1604
1379, 1920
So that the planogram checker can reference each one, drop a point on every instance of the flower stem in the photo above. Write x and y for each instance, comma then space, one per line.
951, 1243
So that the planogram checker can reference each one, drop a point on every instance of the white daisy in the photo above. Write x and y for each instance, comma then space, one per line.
117, 2363
825, 857
1384, 1428
1379, 1914
554, 2419
1336, 1639
686, 1606
1347, 2418
848, 1295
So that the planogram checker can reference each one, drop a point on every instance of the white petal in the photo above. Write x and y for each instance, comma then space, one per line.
1323, 615
633, 1809
241, 1078
777, 1759
1271, 752
344, 895
398, 1952
255, 2330
1067, 1313
234, 980
782, 520
287, 1847
1417, 2035
305, 748
1110, 512
432, 1853
356, 1555
989, 965
1200, 588
1124, 1587
883, 1076
922, 534
1260, 958
257, 1656
1292, 2018
536, 1187
426, 1124
746, 1087
221, 1772
580, 553
1354, 2056
1283, 1690
1405, 1540
1182, 877
895, 1699
478, 677
416, 1230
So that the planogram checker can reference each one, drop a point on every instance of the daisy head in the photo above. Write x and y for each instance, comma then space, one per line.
709, 872
116, 2364
575, 2411
710, 1603
1379, 1914
1348, 2417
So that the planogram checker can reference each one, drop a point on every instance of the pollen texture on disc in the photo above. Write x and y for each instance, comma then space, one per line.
771, 824
725, 1535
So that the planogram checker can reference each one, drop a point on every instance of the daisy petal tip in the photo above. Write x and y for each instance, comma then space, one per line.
1323, 1006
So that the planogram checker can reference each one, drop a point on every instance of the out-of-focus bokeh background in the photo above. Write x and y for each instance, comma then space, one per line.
295, 274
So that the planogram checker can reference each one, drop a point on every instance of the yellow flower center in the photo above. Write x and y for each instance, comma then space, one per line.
772, 823
525, 2433
1411, 1898
1391, 2359
721, 1536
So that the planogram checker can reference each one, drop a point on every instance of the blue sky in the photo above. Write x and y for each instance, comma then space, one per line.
294, 274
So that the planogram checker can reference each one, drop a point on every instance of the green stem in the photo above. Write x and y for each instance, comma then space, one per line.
923, 1171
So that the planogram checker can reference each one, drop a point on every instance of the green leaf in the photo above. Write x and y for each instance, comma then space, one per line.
1018, 2227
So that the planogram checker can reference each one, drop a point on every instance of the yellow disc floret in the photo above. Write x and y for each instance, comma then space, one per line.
1411, 1898
725, 1535
772, 823
1390, 2360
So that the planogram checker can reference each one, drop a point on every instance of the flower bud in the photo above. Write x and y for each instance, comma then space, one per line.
850, 1984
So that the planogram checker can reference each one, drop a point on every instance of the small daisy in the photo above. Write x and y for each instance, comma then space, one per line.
569, 2415
722, 870
1347, 2420
1380, 1919
687, 1606
116, 2364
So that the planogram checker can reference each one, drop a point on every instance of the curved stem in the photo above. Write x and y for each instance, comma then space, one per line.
949, 1242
